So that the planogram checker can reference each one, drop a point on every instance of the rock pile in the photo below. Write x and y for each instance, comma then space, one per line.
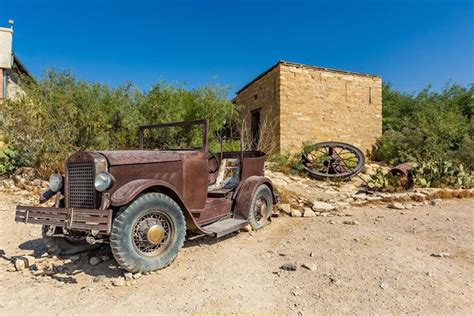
24, 181
72, 269
305, 197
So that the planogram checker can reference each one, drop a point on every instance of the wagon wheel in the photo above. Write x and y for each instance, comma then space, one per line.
332, 160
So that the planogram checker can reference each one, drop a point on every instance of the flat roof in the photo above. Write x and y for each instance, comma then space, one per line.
21, 67
289, 63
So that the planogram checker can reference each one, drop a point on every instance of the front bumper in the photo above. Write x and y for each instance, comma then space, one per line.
70, 218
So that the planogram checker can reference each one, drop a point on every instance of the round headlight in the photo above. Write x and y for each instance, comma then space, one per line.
55, 182
103, 181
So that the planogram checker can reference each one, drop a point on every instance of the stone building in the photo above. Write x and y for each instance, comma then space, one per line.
291, 104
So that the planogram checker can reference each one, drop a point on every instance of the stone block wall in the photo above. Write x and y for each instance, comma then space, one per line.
263, 94
324, 105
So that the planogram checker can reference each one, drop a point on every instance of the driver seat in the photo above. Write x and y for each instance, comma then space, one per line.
227, 178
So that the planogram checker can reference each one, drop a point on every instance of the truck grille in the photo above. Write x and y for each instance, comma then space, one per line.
80, 190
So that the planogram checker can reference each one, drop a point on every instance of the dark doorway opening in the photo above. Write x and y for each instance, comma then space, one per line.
255, 128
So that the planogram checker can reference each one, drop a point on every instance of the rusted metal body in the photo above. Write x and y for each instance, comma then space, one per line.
402, 170
183, 175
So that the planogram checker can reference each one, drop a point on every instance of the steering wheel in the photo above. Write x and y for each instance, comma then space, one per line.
211, 157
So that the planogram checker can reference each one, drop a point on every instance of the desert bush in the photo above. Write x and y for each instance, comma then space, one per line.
381, 181
60, 114
428, 126
286, 163
424, 174
441, 174
10, 160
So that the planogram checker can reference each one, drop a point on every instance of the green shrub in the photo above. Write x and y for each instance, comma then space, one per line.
429, 126
10, 160
59, 115
286, 163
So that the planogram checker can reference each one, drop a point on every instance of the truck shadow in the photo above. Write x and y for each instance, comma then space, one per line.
99, 263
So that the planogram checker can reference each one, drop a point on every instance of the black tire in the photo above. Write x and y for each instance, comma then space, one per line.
259, 217
65, 247
126, 240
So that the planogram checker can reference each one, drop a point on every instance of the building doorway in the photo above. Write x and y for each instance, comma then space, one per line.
255, 128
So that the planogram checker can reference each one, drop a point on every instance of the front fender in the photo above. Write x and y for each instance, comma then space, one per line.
245, 193
127, 193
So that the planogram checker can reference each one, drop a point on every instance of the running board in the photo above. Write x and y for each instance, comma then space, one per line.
225, 226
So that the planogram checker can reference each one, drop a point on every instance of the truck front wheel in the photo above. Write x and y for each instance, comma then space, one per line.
148, 234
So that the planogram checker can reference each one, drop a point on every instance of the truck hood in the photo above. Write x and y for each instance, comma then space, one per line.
129, 157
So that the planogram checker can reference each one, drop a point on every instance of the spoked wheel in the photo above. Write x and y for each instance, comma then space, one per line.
148, 234
152, 233
332, 160
261, 207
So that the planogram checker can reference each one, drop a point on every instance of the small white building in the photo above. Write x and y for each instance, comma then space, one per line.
10, 65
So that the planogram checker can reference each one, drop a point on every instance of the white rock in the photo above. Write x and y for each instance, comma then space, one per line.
310, 266
322, 206
342, 205
128, 276
24, 262
308, 212
373, 198
285, 208
296, 213
120, 281
8, 183
100, 278
137, 276
418, 196
19, 264
397, 206
436, 202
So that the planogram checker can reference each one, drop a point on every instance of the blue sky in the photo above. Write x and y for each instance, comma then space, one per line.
410, 43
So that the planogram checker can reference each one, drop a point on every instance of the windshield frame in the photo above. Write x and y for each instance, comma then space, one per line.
203, 122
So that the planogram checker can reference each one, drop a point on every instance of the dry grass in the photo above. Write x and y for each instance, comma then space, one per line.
265, 140
453, 194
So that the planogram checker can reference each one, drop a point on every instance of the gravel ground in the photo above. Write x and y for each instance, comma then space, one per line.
377, 260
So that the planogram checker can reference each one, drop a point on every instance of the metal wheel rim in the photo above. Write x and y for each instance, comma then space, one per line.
261, 209
141, 228
332, 160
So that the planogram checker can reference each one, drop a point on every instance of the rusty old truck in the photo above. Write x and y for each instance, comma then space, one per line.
144, 202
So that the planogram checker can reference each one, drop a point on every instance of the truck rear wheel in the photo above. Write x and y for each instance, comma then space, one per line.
148, 234
261, 207
65, 246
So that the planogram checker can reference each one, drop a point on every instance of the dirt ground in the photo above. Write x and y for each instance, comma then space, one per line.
383, 264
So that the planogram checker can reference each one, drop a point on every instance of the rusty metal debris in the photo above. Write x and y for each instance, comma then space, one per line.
403, 170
